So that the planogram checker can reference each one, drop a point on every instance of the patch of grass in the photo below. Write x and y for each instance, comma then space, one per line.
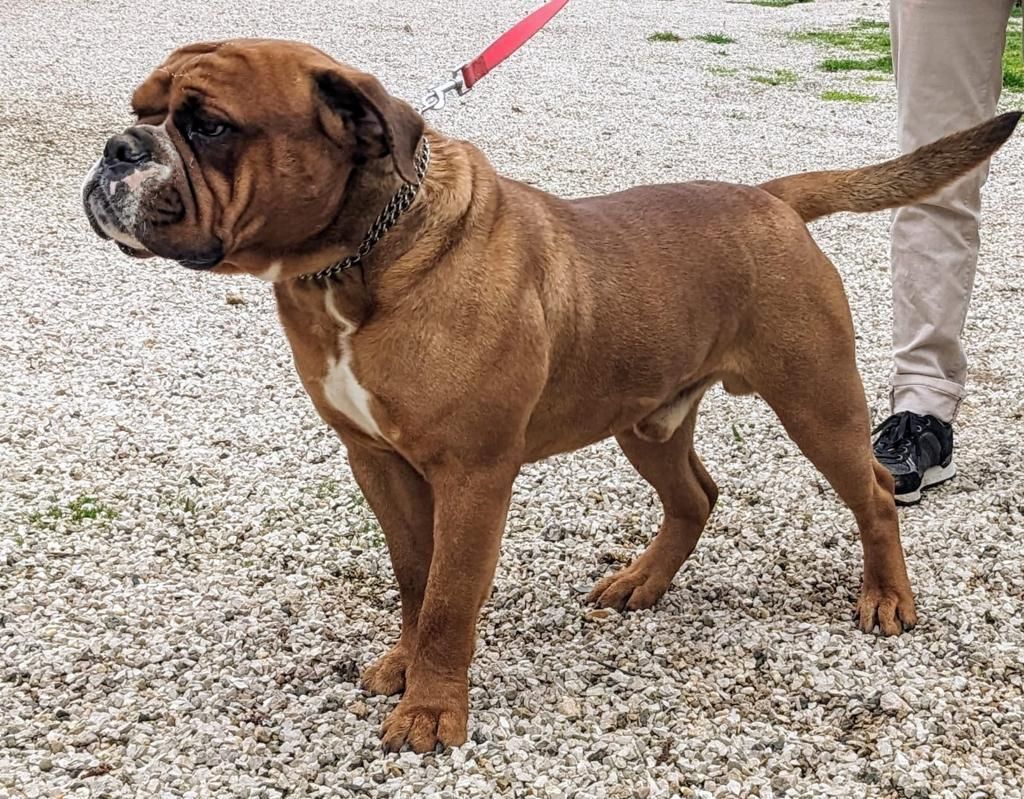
880, 64
871, 24
722, 70
874, 77
872, 36
664, 36
867, 36
715, 38
867, 40
1015, 11
848, 97
1013, 68
777, 78
46, 518
736, 435
89, 508
78, 510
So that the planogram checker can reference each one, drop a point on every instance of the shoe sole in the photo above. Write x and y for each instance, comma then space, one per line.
932, 477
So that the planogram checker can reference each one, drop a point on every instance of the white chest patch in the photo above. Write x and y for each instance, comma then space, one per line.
341, 388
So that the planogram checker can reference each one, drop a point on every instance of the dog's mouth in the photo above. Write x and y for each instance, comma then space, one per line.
203, 261
133, 252
104, 221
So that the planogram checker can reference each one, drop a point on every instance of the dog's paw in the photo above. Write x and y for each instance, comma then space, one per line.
425, 726
386, 675
890, 609
635, 587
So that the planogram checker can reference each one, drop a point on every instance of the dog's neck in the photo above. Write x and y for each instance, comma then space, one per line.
363, 191
409, 248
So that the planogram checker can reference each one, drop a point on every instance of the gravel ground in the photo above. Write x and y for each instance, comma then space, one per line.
190, 579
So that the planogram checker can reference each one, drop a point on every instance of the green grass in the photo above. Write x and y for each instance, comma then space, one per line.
872, 24
1013, 68
874, 77
848, 97
866, 36
715, 38
777, 78
78, 510
722, 70
46, 518
880, 64
868, 40
664, 36
872, 36
89, 508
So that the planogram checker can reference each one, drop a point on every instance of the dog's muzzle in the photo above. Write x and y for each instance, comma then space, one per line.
126, 164
130, 197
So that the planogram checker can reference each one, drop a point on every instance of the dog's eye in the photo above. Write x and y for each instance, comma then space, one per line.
206, 128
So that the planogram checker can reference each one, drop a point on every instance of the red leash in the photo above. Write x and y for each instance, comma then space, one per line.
466, 76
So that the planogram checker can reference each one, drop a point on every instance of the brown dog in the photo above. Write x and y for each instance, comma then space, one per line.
479, 324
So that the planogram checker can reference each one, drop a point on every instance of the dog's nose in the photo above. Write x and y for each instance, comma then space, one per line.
125, 149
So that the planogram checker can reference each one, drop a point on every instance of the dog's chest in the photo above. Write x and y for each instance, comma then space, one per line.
341, 389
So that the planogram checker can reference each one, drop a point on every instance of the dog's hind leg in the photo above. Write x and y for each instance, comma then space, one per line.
808, 375
687, 493
831, 428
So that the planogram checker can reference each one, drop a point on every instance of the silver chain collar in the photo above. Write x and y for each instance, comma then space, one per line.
397, 205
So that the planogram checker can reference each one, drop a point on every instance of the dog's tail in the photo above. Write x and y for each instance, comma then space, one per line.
902, 181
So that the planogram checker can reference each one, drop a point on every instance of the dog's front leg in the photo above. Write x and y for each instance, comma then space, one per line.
401, 500
470, 506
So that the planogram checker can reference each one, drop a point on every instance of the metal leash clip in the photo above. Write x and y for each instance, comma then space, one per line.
465, 77
436, 98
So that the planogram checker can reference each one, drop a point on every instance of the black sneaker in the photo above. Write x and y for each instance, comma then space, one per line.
917, 451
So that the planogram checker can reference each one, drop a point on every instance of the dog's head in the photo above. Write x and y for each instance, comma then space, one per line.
245, 151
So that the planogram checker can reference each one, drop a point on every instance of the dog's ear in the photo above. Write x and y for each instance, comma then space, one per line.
355, 105
149, 102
